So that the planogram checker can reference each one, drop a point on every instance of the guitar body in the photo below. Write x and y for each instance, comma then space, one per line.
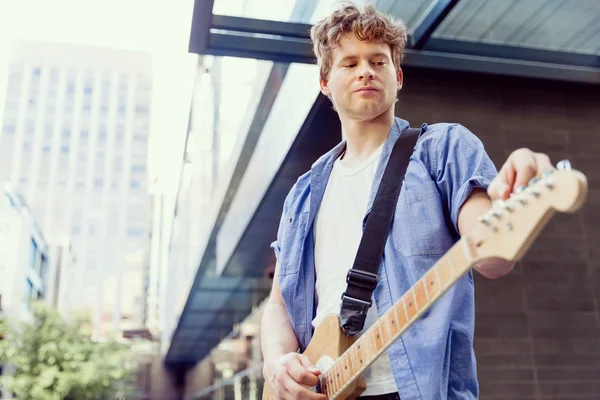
329, 341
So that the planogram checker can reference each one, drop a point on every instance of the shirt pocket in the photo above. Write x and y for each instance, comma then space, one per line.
419, 226
292, 243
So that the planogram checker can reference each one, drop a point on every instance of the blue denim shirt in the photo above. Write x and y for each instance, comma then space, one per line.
434, 358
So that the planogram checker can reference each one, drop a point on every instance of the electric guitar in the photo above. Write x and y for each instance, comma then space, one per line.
507, 230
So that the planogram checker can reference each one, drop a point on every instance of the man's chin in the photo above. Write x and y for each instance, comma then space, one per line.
369, 113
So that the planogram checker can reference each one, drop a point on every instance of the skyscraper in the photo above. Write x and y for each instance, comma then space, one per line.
74, 141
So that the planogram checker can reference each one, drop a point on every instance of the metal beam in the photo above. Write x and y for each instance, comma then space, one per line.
497, 66
290, 43
261, 26
516, 53
439, 54
433, 18
201, 20
282, 49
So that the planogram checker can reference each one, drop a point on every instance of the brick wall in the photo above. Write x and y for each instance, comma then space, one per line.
538, 328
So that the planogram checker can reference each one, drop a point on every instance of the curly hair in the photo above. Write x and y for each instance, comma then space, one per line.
367, 24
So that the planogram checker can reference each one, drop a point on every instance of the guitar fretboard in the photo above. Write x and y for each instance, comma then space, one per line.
366, 349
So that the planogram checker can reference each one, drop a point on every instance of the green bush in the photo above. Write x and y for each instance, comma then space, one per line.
56, 359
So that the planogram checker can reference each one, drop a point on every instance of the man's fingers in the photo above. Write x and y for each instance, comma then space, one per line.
525, 167
309, 365
543, 163
301, 375
300, 392
498, 189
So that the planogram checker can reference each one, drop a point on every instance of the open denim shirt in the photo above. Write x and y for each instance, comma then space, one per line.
434, 358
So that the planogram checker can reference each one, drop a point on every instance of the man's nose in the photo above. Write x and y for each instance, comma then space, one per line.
366, 72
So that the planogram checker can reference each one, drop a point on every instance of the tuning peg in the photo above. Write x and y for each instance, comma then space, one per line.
484, 220
502, 204
518, 197
563, 165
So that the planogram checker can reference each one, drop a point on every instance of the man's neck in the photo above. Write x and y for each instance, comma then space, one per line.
364, 137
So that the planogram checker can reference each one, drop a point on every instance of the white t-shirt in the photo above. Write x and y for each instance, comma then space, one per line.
338, 231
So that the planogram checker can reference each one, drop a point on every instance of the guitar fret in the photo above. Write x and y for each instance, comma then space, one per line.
405, 309
433, 287
385, 329
454, 271
344, 366
372, 336
337, 378
326, 386
394, 323
424, 283
360, 355
414, 295
410, 307
445, 272
378, 336
351, 368
437, 274
356, 366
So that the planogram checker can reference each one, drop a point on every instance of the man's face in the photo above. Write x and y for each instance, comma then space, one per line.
363, 81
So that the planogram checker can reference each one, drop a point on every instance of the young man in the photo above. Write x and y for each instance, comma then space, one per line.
450, 181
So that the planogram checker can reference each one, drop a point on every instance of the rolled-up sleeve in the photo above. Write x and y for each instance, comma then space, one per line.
462, 165
276, 245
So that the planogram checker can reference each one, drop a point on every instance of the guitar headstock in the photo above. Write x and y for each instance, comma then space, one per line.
510, 226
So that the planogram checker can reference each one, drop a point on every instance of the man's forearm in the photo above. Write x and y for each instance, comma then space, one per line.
277, 334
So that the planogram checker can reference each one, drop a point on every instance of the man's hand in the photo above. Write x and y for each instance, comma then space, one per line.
519, 168
288, 375
522, 165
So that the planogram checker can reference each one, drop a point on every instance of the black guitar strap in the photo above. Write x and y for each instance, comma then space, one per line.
362, 278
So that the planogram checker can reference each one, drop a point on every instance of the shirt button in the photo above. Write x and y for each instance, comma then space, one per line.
289, 220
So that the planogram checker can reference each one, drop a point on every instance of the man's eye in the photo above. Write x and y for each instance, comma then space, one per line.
380, 63
349, 65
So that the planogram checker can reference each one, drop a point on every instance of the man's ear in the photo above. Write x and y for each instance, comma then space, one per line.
324, 87
400, 78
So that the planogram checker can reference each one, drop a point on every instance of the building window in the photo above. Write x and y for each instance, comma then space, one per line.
27, 294
8, 129
138, 169
43, 267
33, 253
64, 149
98, 183
134, 184
135, 232
30, 128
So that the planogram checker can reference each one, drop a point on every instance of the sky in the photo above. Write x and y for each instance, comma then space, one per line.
160, 28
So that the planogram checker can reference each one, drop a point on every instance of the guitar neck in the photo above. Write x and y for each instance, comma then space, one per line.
373, 342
